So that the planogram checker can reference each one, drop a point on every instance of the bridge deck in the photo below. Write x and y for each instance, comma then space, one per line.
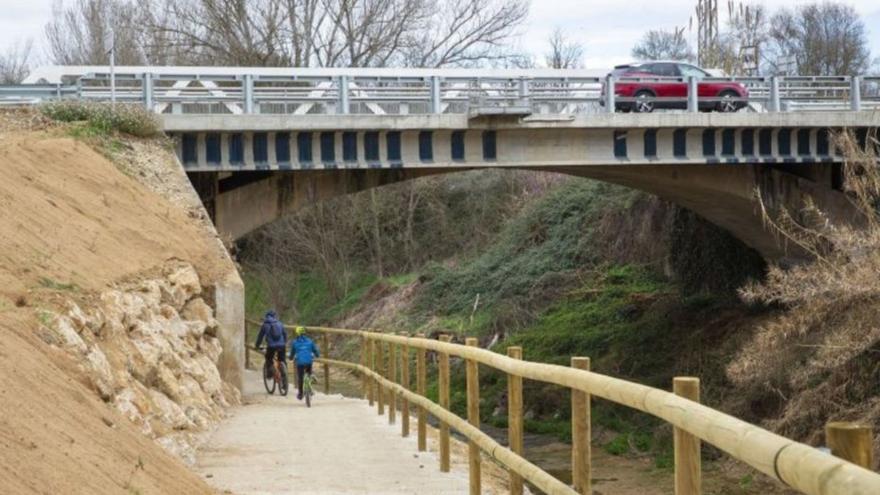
275, 445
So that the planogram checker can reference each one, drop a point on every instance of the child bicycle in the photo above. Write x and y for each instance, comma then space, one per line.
309, 381
303, 351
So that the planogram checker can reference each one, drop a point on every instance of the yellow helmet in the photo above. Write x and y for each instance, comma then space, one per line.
300, 330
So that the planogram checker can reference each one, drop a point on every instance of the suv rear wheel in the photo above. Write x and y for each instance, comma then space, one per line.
644, 101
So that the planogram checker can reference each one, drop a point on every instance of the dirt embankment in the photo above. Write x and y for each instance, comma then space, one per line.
74, 232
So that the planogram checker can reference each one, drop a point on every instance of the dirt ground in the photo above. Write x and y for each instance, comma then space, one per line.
275, 445
72, 224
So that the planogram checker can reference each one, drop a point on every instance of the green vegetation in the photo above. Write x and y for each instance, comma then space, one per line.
545, 281
310, 301
538, 249
102, 119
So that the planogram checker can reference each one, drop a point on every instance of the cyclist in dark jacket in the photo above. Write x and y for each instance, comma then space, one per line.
276, 339
302, 351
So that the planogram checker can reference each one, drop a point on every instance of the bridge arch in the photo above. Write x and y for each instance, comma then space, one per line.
714, 168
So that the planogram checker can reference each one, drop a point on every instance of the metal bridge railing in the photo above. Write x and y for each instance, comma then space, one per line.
396, 92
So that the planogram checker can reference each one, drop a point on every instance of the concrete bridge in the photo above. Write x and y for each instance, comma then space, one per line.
709, 163
258, 143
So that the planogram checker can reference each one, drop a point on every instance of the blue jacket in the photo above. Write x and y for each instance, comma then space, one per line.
273, 331
302, 349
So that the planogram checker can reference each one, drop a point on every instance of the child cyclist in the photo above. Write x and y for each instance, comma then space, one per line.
303, 351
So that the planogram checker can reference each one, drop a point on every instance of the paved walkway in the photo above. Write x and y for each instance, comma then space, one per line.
275, 445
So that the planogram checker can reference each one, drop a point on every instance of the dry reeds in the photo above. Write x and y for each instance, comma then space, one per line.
820, 359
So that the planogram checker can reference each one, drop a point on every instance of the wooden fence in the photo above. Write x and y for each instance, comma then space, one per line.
384, 367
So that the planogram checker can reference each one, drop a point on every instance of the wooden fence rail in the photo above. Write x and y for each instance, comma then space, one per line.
797, 465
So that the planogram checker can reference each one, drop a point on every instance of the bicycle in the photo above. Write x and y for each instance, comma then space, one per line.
278, 376
308, 382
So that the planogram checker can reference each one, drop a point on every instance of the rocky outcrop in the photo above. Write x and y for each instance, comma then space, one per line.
150, 349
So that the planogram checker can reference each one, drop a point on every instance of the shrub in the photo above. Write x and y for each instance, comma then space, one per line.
104, 118
818, 361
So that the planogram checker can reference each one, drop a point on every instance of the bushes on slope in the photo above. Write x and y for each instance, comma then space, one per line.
104, 118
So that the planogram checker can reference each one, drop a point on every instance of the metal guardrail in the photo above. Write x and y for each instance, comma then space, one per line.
423, 91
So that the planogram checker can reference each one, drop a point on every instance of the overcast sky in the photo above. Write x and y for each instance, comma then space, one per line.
607, 28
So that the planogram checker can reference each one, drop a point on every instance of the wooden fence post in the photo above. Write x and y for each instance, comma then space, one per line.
371, 364
404, 382
247, 353
581, 455
688, 470
515, 419
325, 339
392, 375
421, 385
379, 368
851, 442
364, 390
443, 385
473, 412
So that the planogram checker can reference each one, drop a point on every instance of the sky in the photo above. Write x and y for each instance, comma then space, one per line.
607, 28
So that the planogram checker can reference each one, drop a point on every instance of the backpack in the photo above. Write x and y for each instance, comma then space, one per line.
276, 331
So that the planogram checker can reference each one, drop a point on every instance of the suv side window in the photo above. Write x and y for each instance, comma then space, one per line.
666, 70
690, 70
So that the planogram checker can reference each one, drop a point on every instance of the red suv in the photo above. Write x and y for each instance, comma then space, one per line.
721, 96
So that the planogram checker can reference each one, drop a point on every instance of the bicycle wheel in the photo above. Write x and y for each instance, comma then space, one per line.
268, 379
307, 385
283, 386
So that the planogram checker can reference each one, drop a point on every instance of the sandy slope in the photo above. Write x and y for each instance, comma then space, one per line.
71, 224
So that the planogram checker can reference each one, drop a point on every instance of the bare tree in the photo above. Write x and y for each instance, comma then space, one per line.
334, 33
465, 32
77, 34
827, 38
747, 34
15, 63
660, 44
564, 53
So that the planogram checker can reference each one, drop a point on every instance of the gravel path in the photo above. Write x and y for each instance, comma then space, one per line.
275, 445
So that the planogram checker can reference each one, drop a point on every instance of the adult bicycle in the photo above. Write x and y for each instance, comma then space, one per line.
275, 375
